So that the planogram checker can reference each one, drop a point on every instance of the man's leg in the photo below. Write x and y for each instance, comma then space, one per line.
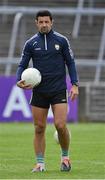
60, 115
39, 116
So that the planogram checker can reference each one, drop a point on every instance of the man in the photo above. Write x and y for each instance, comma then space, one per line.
50, 52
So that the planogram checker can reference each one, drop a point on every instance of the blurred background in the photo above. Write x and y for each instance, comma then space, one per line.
83, 23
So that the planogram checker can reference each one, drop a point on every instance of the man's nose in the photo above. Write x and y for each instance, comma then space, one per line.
44, 24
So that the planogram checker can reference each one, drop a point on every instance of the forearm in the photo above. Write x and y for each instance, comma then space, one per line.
72, 72
22, 66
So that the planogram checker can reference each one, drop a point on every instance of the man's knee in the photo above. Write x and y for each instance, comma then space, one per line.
39, 129
60, 126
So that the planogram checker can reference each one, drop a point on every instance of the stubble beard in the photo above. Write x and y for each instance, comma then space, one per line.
45, 30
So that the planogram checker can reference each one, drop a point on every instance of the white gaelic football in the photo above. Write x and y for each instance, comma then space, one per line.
31, 76
56, 137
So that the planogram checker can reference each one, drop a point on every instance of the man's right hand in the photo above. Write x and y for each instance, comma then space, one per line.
22, 84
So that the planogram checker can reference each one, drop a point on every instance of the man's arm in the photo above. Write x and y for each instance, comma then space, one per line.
69, 59
24, 62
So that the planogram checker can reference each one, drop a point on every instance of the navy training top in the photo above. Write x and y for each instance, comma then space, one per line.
49, 53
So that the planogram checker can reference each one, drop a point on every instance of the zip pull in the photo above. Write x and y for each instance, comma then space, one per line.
45, 41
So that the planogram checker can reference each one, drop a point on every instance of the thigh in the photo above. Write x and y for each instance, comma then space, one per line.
39, 115
60, 113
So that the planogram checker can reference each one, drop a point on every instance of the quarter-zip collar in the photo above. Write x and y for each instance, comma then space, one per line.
45, 38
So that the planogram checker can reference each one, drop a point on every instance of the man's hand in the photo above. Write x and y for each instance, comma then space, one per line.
22, 84
74, 92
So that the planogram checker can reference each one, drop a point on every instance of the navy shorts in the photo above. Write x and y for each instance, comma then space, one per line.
44, 100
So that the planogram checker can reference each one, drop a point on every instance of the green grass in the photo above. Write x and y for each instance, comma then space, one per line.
87, 152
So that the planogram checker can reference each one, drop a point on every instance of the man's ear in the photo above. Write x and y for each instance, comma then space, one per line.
36, 22
52, 21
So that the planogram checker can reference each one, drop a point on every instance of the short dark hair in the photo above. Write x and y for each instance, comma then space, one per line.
44, 13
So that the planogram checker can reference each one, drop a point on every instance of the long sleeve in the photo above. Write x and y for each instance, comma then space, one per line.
69, 59
25, 58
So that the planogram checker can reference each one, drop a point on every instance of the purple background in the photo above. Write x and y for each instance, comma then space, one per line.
7, 84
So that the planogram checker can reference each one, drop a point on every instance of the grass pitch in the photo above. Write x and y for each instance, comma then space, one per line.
87, 152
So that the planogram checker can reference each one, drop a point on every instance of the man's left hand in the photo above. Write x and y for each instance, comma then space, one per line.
74, 92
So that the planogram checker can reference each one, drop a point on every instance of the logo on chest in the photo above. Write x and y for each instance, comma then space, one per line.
37, 48
57, 47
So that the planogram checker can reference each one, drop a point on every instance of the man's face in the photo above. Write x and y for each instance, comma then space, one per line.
44, 24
